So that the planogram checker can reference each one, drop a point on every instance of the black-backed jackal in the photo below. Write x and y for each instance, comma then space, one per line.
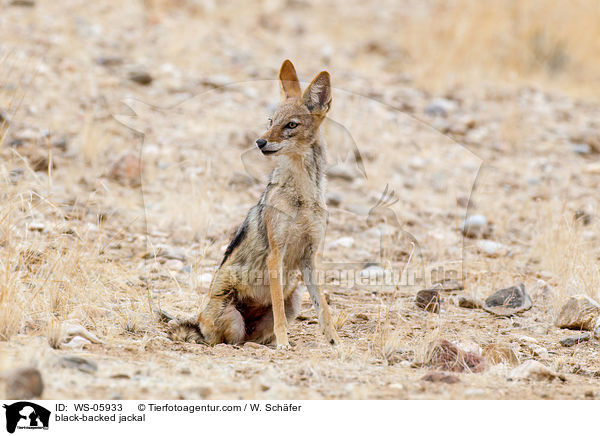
254, 293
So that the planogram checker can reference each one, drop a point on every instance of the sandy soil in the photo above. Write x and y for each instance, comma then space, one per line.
119, 197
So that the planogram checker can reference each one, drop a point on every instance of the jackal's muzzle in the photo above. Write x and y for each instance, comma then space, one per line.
267, 147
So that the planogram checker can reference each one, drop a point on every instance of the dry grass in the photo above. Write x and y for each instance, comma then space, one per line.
554, 42
565, 250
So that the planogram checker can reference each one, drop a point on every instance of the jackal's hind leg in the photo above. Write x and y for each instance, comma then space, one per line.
262, 329
221, 322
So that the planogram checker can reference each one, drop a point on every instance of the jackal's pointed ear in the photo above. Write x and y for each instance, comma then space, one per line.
317, 96
290, 86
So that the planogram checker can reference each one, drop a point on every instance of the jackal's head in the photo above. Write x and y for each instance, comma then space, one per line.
295, 123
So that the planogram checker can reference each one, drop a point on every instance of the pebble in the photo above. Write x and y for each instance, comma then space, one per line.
569, 341
440, 107
469, 302
491, 248
474, 226
535, 371
429, 300
140, 77
24, 3
508, 301
587, 136
23, 384
447, 356
334, 199
580, 312
440, 377
581, 148
76, 362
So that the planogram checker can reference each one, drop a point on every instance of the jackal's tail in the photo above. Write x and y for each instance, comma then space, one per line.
186, 331
181, 331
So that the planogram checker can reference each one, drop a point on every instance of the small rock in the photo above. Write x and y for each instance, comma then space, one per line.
440, 377
475, 226
334, 199
583, 217
440, 107
140, 77
491, 248
447, 356
508, 301
23, 3
429, 300
469, 302
581, 148
535, 371
23, 384
109, 61
76, 362
126, 169
588, 136
580, 312
569, 341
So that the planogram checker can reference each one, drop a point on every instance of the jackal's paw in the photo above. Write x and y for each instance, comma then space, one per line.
285, 346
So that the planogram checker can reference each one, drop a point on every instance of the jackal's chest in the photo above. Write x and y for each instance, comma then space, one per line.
303, 235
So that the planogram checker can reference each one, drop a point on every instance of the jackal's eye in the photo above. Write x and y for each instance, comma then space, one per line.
270, 122
291, 125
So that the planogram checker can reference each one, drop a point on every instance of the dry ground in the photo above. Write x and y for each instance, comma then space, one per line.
518, 138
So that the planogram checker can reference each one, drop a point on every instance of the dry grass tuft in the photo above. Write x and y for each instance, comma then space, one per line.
562, 247
552, 41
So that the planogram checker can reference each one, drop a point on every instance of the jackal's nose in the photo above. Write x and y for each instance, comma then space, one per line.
261, 143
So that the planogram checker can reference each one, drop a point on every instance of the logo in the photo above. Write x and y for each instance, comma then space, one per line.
26, 415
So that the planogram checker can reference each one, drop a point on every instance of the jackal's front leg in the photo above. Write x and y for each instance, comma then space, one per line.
274, 264
319, 302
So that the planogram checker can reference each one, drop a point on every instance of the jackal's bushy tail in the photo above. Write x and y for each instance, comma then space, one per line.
186, 331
